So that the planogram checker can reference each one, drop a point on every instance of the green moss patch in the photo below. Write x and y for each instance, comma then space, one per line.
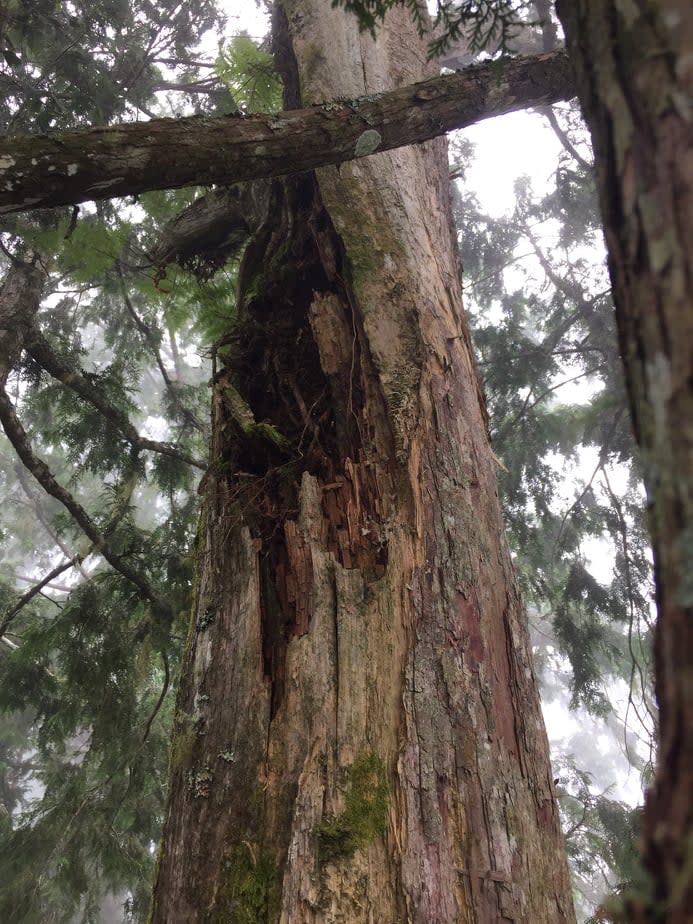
252, 893
365, 814
183, 741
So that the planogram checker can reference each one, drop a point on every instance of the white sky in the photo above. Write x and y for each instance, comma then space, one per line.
534, 152
246, 15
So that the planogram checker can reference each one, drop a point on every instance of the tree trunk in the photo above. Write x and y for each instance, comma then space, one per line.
635, 74
20, 298
358, 732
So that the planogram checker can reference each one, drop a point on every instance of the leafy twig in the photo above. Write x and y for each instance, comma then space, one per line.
636, 666
599, 468
33, 502
162, 696
149, 339
562, 136
36, 589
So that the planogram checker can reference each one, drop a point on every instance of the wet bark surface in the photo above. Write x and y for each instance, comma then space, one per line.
635, 74
359, 736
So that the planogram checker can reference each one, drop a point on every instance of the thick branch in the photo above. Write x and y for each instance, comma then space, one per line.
128, 159
39, 348
20, 297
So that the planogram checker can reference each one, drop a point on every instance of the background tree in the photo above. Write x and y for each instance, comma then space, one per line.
213, 296
635, 90
88, 673
540, 312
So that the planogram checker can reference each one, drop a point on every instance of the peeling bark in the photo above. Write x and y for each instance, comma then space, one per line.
124, 160
634, 66
359, 736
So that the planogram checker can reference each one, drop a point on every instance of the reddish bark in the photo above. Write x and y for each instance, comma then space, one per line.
359, 731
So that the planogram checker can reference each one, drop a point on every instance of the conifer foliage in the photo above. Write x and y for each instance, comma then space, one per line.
540, 306
98, 512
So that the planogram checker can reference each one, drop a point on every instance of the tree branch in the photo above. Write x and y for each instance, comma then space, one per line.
19, 439
20, 297
39, 348
61, 588
563, 137
150, 340
33, 502
131, 158
28, 595
206, 85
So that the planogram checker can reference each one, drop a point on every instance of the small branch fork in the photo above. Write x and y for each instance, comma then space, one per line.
29, 595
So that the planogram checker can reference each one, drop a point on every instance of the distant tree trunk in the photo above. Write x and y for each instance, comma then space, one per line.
358, 732
20, 297
634, 64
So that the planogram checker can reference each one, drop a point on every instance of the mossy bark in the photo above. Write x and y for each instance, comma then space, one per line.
366, 712
64, 168
634, 65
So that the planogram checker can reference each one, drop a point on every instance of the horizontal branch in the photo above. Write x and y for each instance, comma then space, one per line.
52, 584
131, 158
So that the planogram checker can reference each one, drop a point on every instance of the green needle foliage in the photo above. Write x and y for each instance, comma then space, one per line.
538, 298
249, 73
540, 307
112, 366
91, 61
484, 25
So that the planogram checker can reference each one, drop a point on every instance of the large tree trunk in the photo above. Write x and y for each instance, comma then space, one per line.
635, 72
358, 732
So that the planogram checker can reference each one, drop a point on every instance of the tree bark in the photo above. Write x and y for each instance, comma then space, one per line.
20, 299
358, 731
124, 160
634, 65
